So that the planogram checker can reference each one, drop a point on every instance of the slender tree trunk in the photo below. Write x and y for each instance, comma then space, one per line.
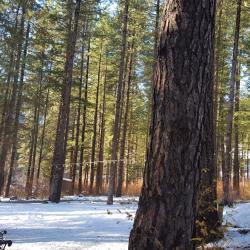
93, 151
124, 132
8, 133
223, 167
115, 141
18, 109
248, 149
99, 170
241, 170
33, 143
36, 132
42, 142
217, 81
156, 38
75, 157
84, 115
228, 155
236, 164
178, 129
72, 169
8, 87
32, 139
63, 118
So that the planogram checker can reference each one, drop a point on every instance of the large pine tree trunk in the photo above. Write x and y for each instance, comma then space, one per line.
115, 142
208, 223
59, 155
228, 155
183, 78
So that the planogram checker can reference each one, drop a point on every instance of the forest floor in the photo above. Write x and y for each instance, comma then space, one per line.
88, 223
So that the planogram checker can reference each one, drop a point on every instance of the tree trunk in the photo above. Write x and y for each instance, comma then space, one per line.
217, 81
8, 87
18, 109
35, 134
58, 161
124, 132
93, 151
236, 164
208, 223
156, 38
227, 199
72, 167
8, 133
84, 115
248, 149
33, 144
75, 158
99, 170
42, 142
115, 141
184, 78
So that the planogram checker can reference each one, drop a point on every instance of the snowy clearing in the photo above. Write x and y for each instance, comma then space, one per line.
84, 224
88, 223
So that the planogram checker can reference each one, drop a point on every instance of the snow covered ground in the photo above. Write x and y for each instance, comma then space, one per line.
88, 223
84, 224
237, 220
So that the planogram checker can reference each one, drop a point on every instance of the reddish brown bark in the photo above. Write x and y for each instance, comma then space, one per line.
184, 77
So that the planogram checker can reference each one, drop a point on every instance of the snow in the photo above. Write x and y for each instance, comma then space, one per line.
237, 222
88, 223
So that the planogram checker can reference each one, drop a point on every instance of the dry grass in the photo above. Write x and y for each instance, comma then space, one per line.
244, 191
134, 189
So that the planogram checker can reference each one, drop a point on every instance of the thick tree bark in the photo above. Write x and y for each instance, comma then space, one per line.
58, 162
184, 77
208, 223
115, 141
236, 163
93, 150
227, 199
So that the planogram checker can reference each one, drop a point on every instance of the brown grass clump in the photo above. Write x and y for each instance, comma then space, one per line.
244, 191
